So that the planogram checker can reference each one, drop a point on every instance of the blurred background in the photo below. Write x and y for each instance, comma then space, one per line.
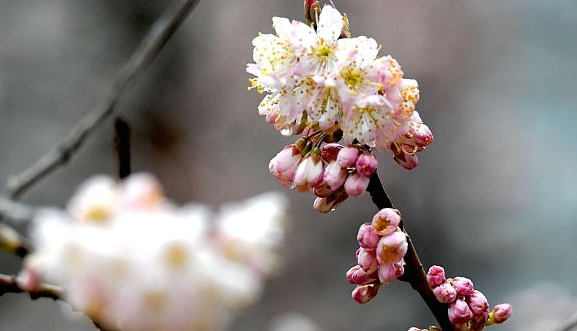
494, 198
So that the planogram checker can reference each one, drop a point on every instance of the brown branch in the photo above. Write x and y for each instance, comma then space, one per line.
414, 272
122, 147
9, 284
150, 47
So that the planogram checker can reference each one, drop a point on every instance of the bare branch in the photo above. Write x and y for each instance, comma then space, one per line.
10, 240
14, 210
569, 324
156, 39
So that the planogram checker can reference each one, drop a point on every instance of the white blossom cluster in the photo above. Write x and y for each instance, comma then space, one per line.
316, 80
132, 261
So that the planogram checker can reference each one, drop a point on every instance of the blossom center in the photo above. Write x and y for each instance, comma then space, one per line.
353, 78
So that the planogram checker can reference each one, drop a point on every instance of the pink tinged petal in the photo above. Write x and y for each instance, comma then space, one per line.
334, 176
309, 173
392, 248
364, 293
367, 237
355, 185
330, 24
284, 164
358, 276
386, 221
361, 51
445, 293
422, 136
389, 272
500, 313
367, 260
329, 152
436, 276
478, 304
459, 312
347, 157
464, 286
366, 164
282, 26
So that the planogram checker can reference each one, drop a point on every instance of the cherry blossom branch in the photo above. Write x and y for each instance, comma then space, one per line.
10, 284
122, 147
159, 34
414, 272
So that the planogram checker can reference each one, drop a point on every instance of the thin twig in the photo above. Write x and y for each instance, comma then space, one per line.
122, 147
414, 272
15, 211
9, 284
159, 34
10, 240
570, 324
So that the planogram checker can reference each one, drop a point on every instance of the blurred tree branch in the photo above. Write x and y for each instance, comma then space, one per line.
10, 284
161, 31
570, 324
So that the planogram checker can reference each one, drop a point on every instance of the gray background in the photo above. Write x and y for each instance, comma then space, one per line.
493, 199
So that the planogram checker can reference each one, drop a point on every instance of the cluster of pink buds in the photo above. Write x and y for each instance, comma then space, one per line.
380, 255
333, 172
468, 308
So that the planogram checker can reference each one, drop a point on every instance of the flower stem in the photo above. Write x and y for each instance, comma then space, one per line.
414, 272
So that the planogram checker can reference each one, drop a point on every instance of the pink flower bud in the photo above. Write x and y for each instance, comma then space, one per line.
284, 164
366, 164
355, 185
386, 221
392, 248
500, 313
347, 157
478, 303
459, 312
364, 293
330, 203
367, 237
445, 293
390, 271
464, 286
309, 172
329, 152
367, 260
357, 276
436, 276
334, 176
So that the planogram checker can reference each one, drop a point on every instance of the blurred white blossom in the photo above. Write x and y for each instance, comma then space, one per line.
131, 260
